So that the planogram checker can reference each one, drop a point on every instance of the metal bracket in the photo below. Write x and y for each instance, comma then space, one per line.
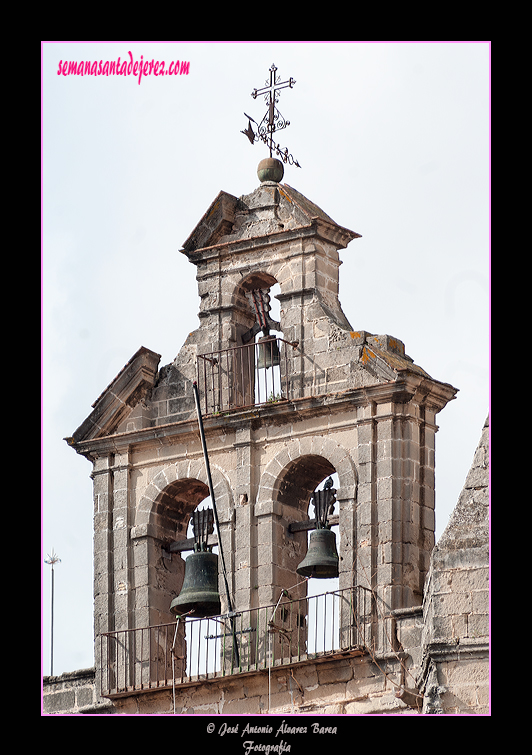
323, 501
188, 545
311, 524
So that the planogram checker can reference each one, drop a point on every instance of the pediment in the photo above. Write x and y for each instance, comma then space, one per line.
118, 400
217, 221
271, 208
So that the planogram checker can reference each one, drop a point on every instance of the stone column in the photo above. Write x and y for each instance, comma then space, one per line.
245, 556
365, 555
111, 562
346, 507
121, 524
103, 592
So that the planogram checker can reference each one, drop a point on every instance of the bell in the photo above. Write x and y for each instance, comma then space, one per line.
200, 587
269, 355
321, 560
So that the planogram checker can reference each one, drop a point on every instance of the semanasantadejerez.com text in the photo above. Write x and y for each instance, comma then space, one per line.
123, 68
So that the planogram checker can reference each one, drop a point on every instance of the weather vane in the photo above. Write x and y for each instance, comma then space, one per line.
273, 120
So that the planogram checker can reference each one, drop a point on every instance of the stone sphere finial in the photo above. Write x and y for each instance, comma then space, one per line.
270, 169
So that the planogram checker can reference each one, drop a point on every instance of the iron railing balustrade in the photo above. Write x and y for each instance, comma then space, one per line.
191, 650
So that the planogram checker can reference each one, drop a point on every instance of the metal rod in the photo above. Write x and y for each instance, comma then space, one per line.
215, 511
52, 629
51, 560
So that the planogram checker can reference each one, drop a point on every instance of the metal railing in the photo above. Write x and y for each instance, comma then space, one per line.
245, 376
191, 650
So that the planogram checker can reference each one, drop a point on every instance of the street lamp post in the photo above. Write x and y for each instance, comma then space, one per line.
52, 559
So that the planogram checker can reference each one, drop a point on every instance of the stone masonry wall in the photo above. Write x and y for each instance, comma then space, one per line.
334, 687
73, 692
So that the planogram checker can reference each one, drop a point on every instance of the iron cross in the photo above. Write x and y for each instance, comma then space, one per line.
273, 120
271, 89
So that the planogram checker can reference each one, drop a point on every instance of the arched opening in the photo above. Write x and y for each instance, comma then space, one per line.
161, 646
260, 292
202, 651
251, 310
172, 513
309, 611
153, 652
256, 367
324, 606
173, 507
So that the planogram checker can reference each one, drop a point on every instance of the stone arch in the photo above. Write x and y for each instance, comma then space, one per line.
258, 279
187, 477
162, 516
283, 497
243, 311
323, 451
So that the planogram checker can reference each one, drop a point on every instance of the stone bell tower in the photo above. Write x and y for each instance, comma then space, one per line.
346, 401
324, 399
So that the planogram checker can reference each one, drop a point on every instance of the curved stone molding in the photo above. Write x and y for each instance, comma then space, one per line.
189, 469
324, 447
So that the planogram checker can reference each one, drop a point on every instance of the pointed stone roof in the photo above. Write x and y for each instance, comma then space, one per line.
468, 526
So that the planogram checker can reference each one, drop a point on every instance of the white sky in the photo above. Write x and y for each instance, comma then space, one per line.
393, 140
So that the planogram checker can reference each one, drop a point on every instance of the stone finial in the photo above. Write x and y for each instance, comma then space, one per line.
270, 169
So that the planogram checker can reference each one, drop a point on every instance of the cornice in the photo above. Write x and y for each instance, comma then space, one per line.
406, 388
318, 227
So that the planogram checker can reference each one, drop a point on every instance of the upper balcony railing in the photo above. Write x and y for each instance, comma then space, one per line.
245, 376
191, 650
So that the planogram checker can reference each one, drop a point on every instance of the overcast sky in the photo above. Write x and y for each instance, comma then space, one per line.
393, 143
